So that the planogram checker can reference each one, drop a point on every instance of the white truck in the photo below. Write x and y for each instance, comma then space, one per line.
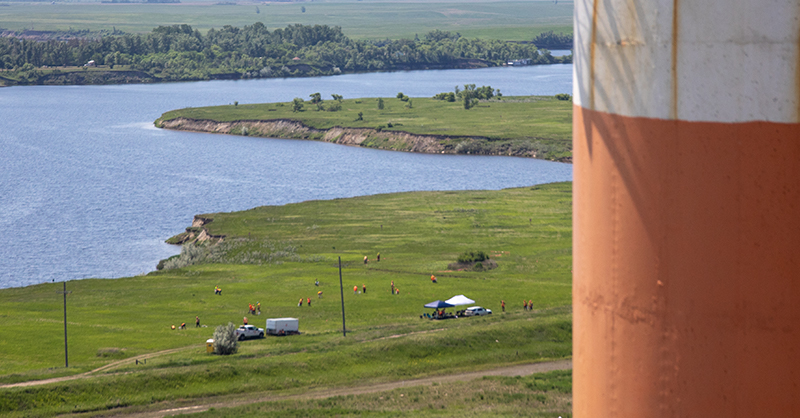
282, 326
249, 331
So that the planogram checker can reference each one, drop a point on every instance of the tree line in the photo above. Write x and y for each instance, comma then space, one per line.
178, 52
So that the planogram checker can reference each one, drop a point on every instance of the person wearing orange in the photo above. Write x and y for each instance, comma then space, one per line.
524, 305
364, 288
308, 300
503, 305
355, 289
433, 278
319, 295
245, 320
301, 302
530, 304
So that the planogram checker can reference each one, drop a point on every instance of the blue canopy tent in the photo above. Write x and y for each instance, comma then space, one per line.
439, 305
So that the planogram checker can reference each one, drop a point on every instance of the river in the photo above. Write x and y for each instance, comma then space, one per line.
89, 188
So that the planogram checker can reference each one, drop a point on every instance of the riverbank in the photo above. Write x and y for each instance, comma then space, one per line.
273, 255
530, 126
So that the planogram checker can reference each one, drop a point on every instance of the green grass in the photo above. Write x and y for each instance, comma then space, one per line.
538, 395
527, 230
538, 123
520, 20
510, 118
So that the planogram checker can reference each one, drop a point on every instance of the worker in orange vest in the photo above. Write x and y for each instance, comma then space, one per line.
355, 289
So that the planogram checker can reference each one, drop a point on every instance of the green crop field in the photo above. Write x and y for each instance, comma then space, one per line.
519, 20
273, 255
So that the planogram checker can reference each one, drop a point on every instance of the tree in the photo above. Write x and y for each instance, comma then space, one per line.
315, 98
337, 97
360, 116
225, 341
297, 104
380, 103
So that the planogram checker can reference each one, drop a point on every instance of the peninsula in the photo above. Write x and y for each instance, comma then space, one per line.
522, 126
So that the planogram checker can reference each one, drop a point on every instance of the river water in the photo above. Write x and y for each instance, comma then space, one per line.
89, 188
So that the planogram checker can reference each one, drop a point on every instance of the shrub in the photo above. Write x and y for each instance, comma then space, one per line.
225, 341
472, 256
563, 96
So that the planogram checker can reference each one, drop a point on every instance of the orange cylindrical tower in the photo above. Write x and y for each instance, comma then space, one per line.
686, 208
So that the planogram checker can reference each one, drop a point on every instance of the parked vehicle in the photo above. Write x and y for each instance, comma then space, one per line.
477, 311
282, 326
249, 331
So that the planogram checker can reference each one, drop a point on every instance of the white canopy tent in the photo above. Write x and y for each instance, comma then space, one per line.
459, 300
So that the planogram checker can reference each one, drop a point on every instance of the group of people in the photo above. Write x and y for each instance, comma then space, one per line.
319, 295
366, 259
527, 305
395, 290
217, 290
364, 287
255, 310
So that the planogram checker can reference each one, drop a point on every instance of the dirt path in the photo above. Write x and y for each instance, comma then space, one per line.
201, 405
108, 366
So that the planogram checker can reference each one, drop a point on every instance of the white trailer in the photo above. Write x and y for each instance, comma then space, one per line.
282, 326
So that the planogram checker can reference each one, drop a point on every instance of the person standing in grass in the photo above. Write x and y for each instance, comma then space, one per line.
308, 300
524, 305
319, 295
379, 257
365, 260
245, 320
364, 287
197, 322
300, 303
503, 305
355, 289
530, 304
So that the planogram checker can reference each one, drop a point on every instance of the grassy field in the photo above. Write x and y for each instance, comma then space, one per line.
539, 123
506, 20
538, 395
273, 255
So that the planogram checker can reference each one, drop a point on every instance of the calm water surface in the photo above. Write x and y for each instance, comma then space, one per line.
89, 188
